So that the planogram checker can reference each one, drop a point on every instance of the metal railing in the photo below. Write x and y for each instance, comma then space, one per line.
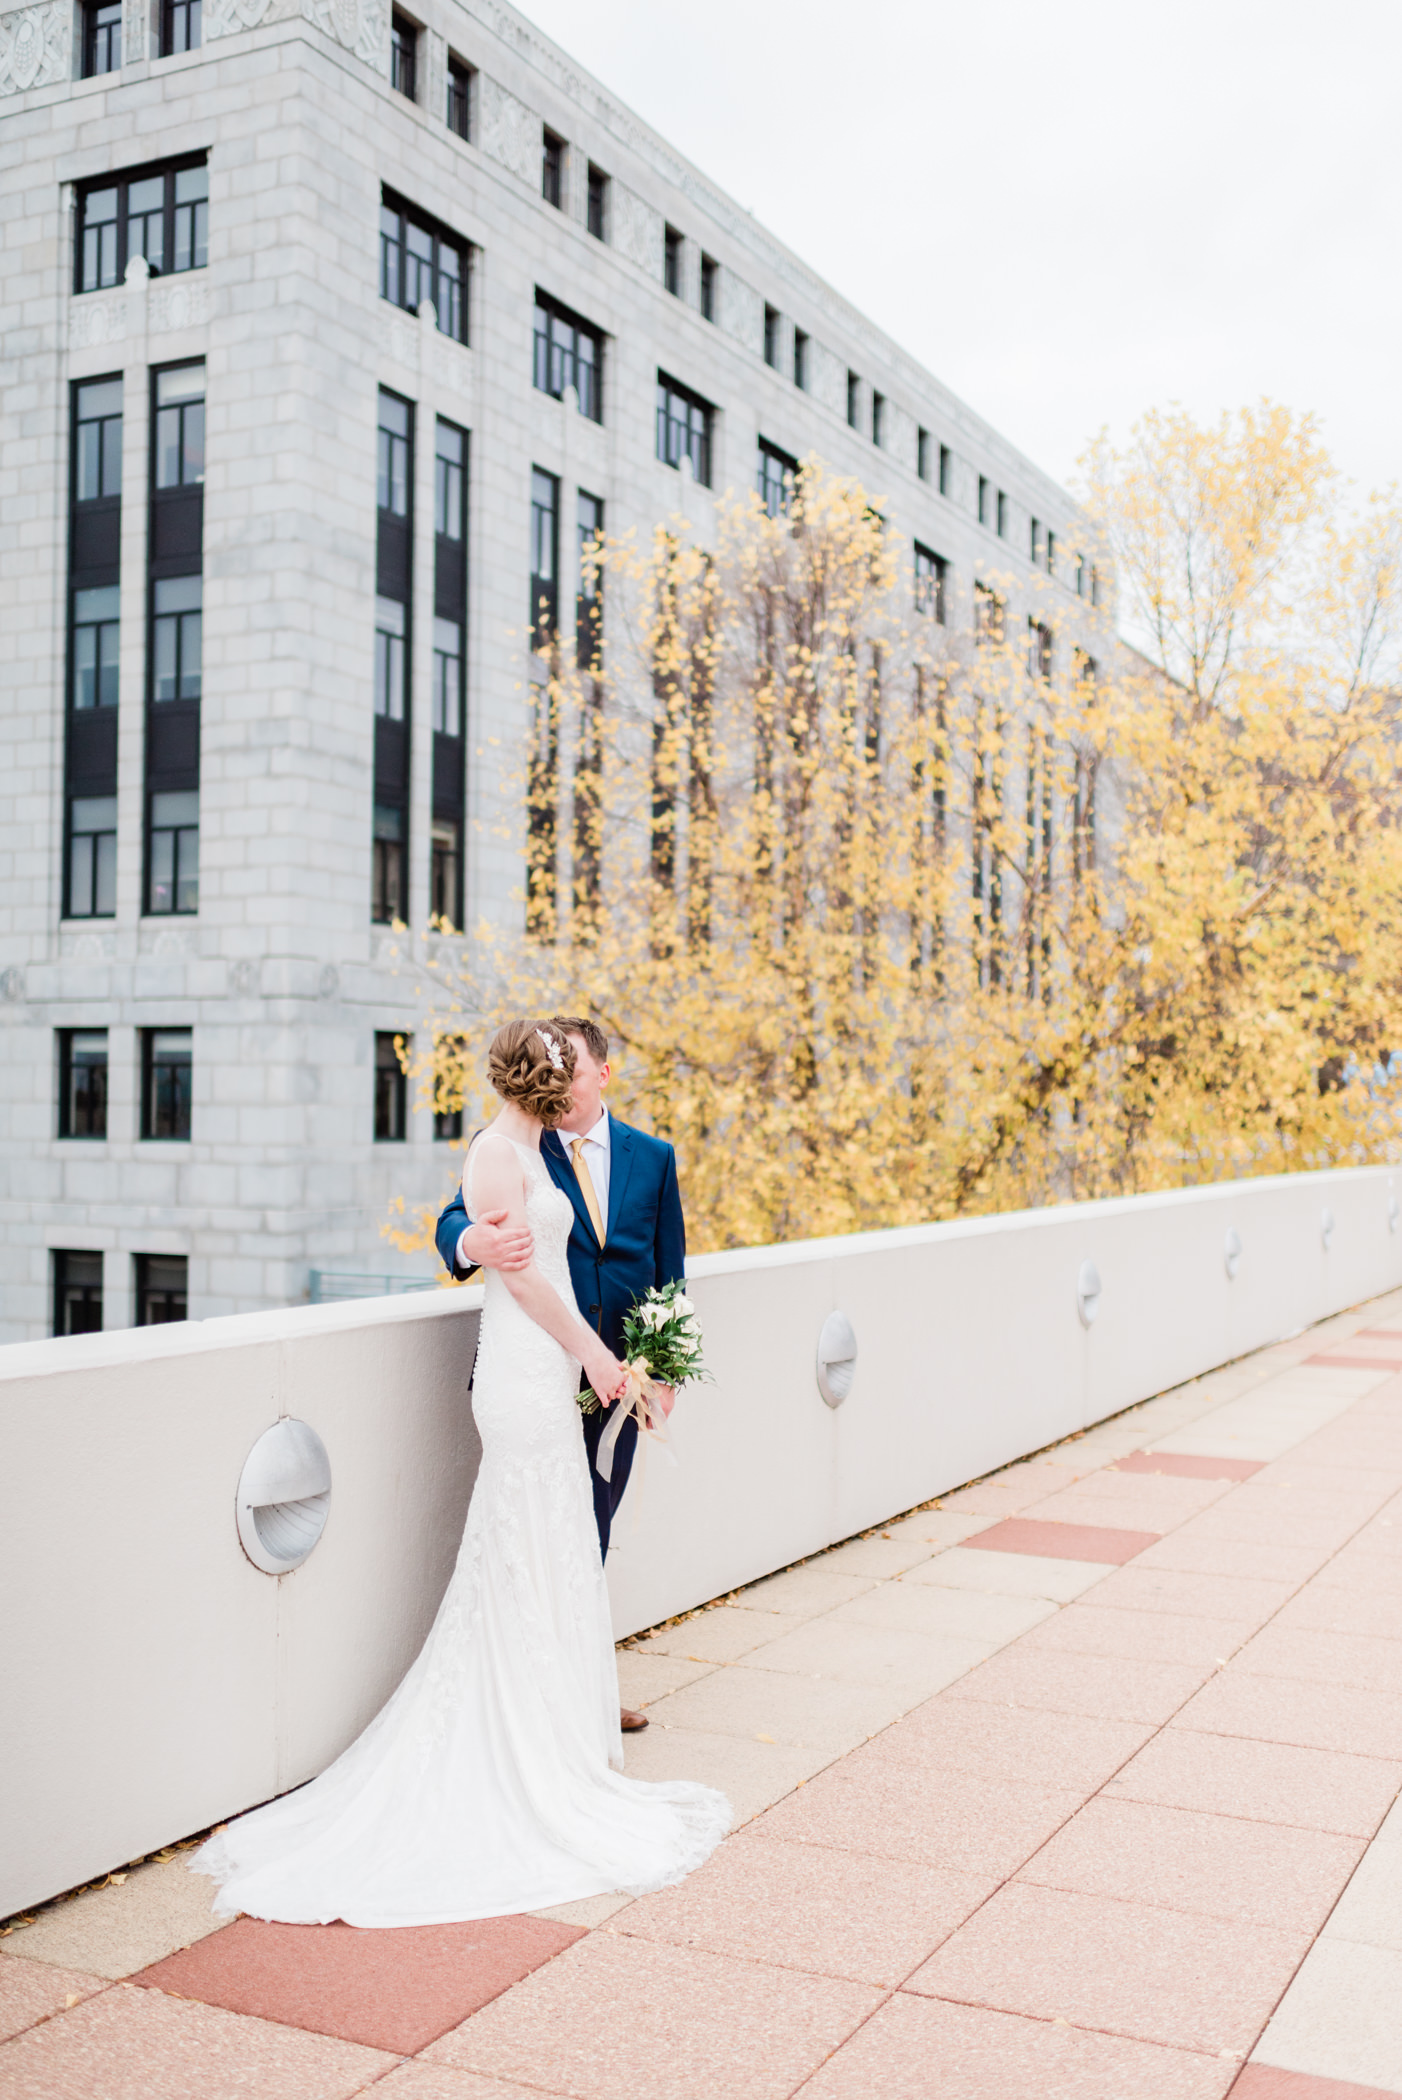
332, 1286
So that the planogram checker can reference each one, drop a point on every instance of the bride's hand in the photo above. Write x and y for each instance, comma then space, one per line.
605, 1373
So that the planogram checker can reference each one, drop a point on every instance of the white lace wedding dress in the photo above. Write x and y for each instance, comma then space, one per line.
492, 1780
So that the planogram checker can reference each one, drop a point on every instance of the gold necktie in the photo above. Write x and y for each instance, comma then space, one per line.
586, 1187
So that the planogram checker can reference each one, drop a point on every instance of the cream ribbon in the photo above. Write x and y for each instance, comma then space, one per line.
638, 1402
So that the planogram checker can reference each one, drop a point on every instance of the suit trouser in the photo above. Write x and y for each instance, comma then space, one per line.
608, 1493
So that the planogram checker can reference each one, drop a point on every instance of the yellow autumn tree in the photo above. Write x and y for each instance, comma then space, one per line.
889, 923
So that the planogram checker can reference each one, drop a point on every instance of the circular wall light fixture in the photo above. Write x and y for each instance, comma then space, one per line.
283, 1497
1326, 1228
1232, 1251
1088, 1292
837, 1358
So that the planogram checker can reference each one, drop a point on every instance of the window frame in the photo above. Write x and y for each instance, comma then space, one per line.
589, 603
149, 1133
388, 898
70, 836
922, 455
937, 573
675, 389
403, 55
710, 283
596, 204
773, 324
544, 588
122, 181
178, 833
65, 1104
672, 259
946, 470
559, 315
441, 238
854, 399
460, 87
393, 1099
91, 10
147, 1291
191, 10
878, 420
552, 168
63, 1285
985, 488
774, 455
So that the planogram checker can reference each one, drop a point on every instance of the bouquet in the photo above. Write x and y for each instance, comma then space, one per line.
662, 1346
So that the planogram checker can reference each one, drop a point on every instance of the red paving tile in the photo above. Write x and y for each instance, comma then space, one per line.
1180, 1859
1171, 1637
1187, 1466
1038, 1748
31, 1991
420, 2081
1324, 1609
926, 2049
1193, 1552
1264, 1782
1139, 1587
1357, 1362
1186, 1981
141, 2045
1278, 1710
1370, 1663
1053, 1541
617, 2018
396, 1989
806, 1907
1265, 2082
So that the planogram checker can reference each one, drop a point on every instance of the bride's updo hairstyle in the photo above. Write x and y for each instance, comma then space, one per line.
531, 1065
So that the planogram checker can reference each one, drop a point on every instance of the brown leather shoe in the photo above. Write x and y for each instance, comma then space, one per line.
630, 1722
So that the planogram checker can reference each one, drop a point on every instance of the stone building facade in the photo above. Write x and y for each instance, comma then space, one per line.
311, 313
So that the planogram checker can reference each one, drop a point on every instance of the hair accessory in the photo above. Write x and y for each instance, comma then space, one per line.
552, 1049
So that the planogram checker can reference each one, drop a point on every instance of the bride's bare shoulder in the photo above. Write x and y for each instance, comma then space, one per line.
494, 1166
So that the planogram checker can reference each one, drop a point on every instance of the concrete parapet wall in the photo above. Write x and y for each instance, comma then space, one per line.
156, 1681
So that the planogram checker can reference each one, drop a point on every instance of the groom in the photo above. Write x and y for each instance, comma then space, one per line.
628, 1233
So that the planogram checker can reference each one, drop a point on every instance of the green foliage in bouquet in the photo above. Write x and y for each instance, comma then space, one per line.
661, 1341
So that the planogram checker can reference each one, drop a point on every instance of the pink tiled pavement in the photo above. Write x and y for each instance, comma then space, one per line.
1086, 1870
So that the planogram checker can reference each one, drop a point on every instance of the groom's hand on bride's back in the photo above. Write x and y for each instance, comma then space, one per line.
489, 1243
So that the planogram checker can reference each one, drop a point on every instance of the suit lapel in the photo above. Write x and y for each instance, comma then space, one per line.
620, 1167
564, 1176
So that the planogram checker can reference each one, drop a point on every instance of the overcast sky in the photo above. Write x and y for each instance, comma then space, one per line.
1069, 212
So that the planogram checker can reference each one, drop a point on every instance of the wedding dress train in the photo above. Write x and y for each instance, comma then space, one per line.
492, 1780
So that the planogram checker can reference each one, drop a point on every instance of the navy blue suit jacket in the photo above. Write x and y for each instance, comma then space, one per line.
645, 1238
644, 1244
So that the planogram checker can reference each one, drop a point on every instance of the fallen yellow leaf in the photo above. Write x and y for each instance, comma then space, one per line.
764, 1738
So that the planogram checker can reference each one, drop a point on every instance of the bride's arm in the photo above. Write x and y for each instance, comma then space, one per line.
498, 1185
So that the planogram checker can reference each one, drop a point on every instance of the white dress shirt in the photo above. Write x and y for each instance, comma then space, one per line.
598, 1157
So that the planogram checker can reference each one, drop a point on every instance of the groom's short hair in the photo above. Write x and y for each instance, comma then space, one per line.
595, 1041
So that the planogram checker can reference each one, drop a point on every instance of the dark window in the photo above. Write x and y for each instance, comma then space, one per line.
771, 336
568, 352
988, 614
445, 874
82, 1082
984, 501
1082, 575
392, 465
854, 399
96, 633
387, 873
878, 418
710, 280
92, 857
403, 54
390, 624
930, 573
589, 605
1095, 586
419, 259
552, 169
180, 26
800, 359
922, 454
102, 45
545, 558
946, 470
1035, 547
77, 1292
177, 619
161, 213
1039, 649
447, 1123
1087, 670
1051, 552
179, 447
174, 831
166, 1071
97, 441
597, 211
684, 428
448, 484
391, 1091
162, 1289
459, 111
447, 677
778, 471
1001, 516
672, 260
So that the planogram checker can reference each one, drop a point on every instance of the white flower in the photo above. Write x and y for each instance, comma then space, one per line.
682, 1304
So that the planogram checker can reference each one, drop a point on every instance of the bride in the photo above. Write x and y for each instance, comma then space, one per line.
492, 1781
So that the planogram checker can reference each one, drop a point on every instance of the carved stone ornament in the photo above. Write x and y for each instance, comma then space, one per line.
510, 131
34, 47
12, 984
229, 17
399, 336
177, 304
361, 26
92, 322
